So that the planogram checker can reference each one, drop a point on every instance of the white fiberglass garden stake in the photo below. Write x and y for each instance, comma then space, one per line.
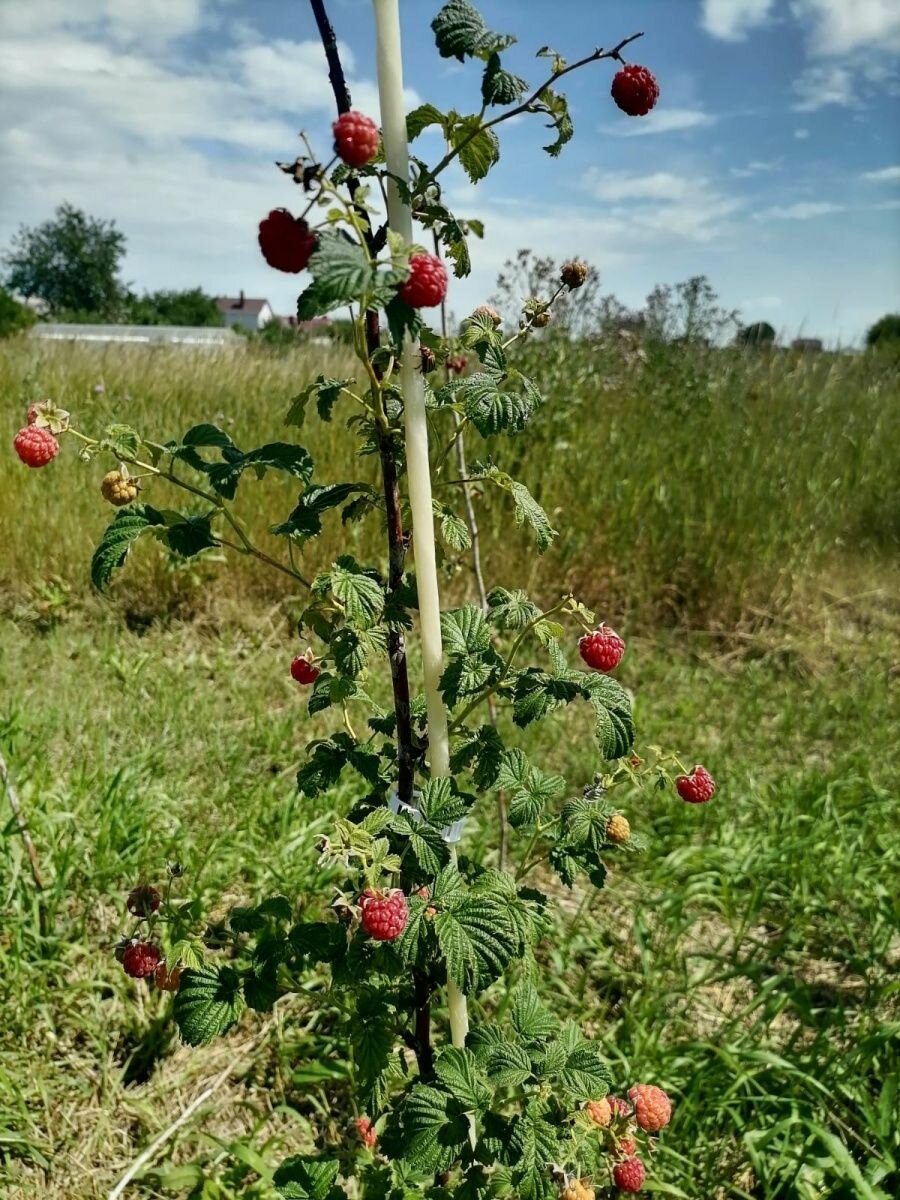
396, 150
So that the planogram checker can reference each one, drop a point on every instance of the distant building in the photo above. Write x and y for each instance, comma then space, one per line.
201, 337
247, 311
807, 345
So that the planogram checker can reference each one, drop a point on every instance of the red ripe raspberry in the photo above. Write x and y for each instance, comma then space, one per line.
457, 365
629, 1175
602, 649
366, 1132
304, 671
356, 138
141, 959
652, 1107
635, 90
285, 241
142, 901
427, 283
35, 446
384, 914
696, 788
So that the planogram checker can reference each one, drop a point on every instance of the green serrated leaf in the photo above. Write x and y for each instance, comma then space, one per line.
326, 391
478, 148
530, 790
118, 538
458, 30
557, 108
305, 521
303, 1177
465, 630
122, 440
459, 1073
360, 594
454, 530
531, 1019
341, 273
421, 118
499, 86
280, 456
511, 609
207, 1003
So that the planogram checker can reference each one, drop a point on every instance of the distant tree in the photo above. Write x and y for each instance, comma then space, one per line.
70, 261
760, 333
688, 312
14, 317
191, 307
575, 313
885, 333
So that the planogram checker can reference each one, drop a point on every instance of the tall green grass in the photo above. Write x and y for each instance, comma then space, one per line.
689, 485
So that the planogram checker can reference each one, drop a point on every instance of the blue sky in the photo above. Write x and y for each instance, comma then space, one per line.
771, 164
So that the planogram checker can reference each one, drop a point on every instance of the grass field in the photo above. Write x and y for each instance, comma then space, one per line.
739, 515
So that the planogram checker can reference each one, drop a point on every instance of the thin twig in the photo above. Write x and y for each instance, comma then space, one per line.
525, 106
22, 825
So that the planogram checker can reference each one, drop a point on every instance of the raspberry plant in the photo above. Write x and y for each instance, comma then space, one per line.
517, 1104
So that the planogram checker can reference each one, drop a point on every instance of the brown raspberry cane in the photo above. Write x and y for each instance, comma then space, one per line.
635, 90
304, 671
426, 286
384, 914
35, 446
602, 649
143, 901
356, 138
286, 241
629, 1175
141, 959
652, 1107
696, 788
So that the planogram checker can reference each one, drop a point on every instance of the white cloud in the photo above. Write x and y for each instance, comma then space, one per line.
805, 210
662, 205
732, 20
831, 83
885, 175
662, 185
763, 302
757, 167
663, 120
839, 27
801, 134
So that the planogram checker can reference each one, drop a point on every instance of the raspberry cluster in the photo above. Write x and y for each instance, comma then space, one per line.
141, 959
426, 286
35, 446
303, 670
143, 901
696, 788
635, 90
602, 649
286, 241
384, 914
118, 489
356, 138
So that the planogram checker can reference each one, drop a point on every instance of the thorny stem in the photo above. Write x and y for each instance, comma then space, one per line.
474, 537
397, 542
386, 448
597, 55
